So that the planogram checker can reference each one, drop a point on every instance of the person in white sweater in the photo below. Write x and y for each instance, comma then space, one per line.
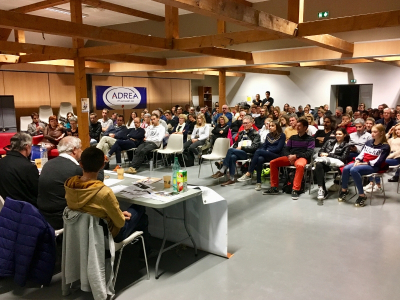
394, 157
200, 134
153, 139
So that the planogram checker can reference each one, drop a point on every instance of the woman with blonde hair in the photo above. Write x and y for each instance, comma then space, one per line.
312, 126
220, 130
370, 160
200, 134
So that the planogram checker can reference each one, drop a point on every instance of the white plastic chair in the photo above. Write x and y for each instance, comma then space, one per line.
395, 168
174, 146
219, 151
132, 239
1, 203
45, 111
24, 121
65, 107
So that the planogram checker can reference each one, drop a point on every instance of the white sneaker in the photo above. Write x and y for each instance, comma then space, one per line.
368, 188
334, 188
321, 193
258, 187
377, 189
244, 178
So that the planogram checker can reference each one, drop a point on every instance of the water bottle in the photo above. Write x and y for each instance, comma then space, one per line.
43, 155
175, 170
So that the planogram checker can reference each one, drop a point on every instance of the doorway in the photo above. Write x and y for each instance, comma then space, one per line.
351, 95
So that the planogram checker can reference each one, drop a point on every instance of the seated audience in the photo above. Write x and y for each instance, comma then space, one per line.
370, 160
133, 139
171, 122
253, 112
87, 194
355, 115
394, 157
221, 130
369, 123
298, 152
358, 138
155, 133
18, 176
286, 108
191, 123
259, 121
276, 114
51, 198
226, 113
300, 112
338, 116
312, 126
95, 129
200, 134
284, 121
105, 121
237, 124
182, 127
73, 127
346, 124
264, 130
52, 133
36, 127
214, 117
327, 133
110, 136
248, 142
320, 117
292, 129
206, 114
131, 124
334, 148
386, 121
146, 121
186, 111
66, 121
328, 112
270, 149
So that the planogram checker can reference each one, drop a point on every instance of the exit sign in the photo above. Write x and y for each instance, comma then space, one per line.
353, 80
323, 14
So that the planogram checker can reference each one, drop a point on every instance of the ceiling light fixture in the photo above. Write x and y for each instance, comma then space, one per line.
63, 11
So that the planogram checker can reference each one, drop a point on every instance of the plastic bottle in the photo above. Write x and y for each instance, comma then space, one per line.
43, 155
175, 170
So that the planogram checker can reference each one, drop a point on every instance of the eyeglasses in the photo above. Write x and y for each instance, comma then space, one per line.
246, 123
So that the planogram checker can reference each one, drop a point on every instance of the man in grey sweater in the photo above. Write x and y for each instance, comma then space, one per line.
51, 199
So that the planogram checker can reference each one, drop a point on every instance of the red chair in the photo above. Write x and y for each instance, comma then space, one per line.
5, 138
37, 139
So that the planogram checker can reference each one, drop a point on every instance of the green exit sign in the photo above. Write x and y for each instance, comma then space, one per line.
353, 80
323, 14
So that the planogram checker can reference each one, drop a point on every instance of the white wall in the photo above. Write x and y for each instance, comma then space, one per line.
314, 86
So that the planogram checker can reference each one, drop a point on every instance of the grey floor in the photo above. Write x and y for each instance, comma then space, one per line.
283, 249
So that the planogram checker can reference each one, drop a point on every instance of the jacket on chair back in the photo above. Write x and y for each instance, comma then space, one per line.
27, 243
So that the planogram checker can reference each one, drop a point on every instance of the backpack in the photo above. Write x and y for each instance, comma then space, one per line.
288, 185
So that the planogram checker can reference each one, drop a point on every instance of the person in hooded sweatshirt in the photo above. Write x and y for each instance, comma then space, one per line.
87, 194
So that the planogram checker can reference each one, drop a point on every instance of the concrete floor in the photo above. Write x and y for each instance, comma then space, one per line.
283, 249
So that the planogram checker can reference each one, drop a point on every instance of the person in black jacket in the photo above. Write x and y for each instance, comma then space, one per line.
95, 129
220, 130
182, 127
335, 148
248, 142
19, 177
133, 139
191, 121
259, 121
235, 126
51, 198
171, 122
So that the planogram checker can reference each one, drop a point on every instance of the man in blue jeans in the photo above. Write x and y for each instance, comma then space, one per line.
248, 142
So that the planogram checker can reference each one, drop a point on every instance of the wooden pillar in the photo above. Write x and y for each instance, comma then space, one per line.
295, 11
19, 37
80, 77
171, 22
221, 25
4, 34
222, 87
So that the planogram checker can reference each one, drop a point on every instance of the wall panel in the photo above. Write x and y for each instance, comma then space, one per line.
1, 83
30, 90
135, 82
180, 92
62, 89
160, 94
107, 81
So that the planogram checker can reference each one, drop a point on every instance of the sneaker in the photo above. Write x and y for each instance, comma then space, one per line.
394, 179
229, 182
258, 187
342, 196
360, 202
271, 191
218, 175
377, 190
334, 188
368, 188
322, 193
295, 195
244, 178
116, 168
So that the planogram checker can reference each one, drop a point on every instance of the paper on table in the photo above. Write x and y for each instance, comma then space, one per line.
110, 181
209, 195
125, 174
117, 188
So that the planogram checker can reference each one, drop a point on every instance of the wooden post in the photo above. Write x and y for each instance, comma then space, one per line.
222, 87
221, 26
296, 11
19, 37
171, 22
80, 77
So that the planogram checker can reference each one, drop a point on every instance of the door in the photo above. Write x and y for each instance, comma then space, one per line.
348, 95
8, 120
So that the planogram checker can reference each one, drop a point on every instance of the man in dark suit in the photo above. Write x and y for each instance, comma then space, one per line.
19, 177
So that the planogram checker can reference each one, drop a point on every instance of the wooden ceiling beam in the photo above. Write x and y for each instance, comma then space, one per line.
388, 62
295, 11
351, 23
38, 6
274, 66
20, 21
114, 49
171, 22
259, 71
335, 62
8, 59
123, 10
43, 57
330, 42
13, 47
220, 52
234, 12
331, 68
70, 63
216, 73
134, 59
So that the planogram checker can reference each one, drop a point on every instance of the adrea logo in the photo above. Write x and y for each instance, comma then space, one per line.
128, 97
